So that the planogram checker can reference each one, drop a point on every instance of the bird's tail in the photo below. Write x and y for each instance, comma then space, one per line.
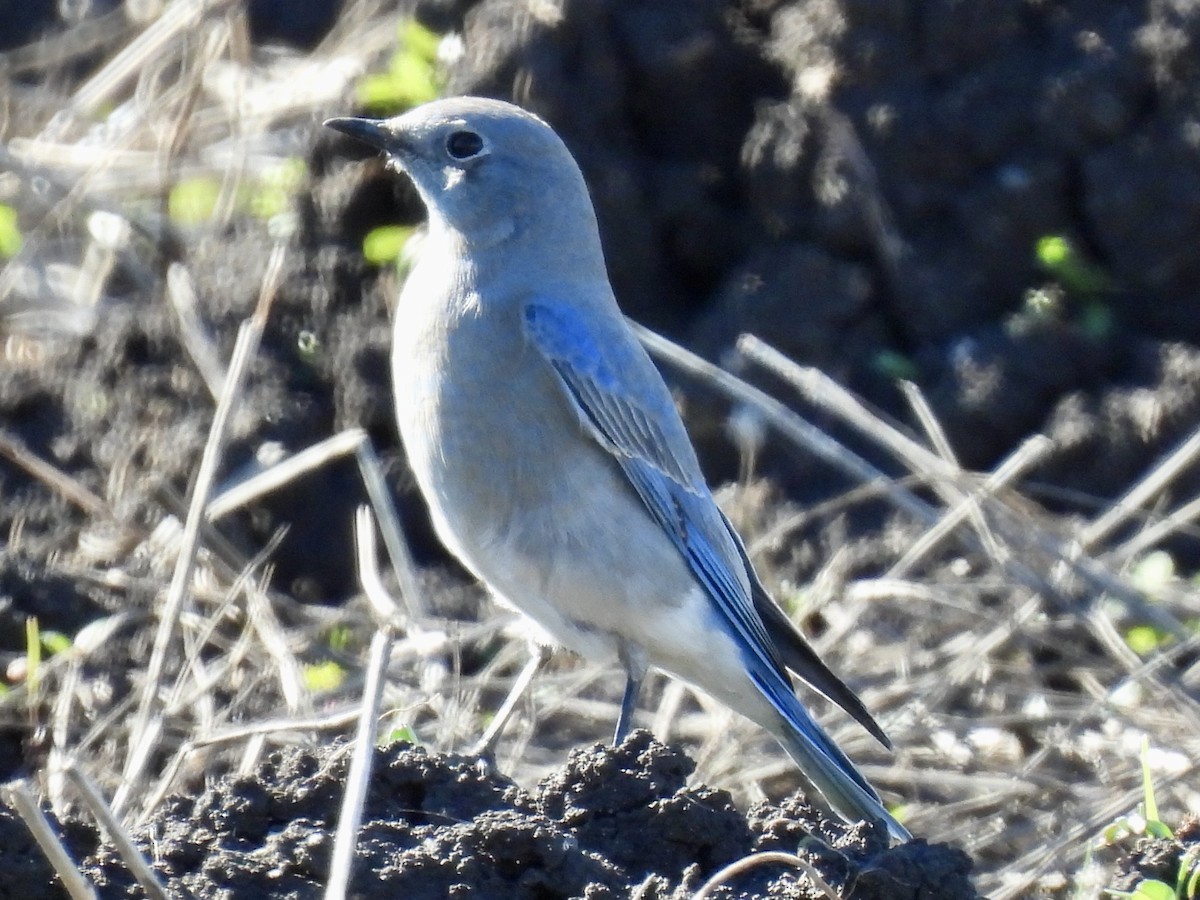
825, 766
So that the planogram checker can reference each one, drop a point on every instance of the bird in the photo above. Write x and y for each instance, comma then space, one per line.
549, 449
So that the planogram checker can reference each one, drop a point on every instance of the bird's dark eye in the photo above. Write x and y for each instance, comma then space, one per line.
463, 144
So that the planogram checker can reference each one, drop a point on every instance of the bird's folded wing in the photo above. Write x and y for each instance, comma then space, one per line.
624, 405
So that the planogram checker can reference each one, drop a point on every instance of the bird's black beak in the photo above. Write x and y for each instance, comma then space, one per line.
370, 131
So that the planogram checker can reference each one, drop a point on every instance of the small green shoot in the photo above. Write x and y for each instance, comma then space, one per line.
1149, 889
1187, 884
33, 659
412, 78
193, 201
272, 195
1062, 259
340, 638
895, 365
1146, 822
55, 642
1154, 826
10, 232
323, 677
383, 245
399, 734
1153, 574
1075, 278
1146, 639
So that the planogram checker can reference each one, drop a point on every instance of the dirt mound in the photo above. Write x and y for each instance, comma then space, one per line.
614, 822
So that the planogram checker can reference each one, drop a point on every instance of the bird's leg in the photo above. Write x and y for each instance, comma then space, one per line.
635, 672
486, 745
633, 686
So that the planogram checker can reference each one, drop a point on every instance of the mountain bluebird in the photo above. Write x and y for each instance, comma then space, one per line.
549, 449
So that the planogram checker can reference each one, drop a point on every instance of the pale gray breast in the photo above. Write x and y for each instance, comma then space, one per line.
486, 425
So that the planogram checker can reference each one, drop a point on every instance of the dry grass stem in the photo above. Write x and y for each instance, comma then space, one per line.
154, 888
1141, 493
21, 799
769, 858
244, 350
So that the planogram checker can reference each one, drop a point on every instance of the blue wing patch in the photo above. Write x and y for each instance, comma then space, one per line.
627, 409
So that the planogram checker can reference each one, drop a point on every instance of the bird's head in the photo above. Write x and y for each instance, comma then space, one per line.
484, 168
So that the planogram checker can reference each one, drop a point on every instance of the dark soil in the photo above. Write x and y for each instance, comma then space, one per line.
614, 822
863, 184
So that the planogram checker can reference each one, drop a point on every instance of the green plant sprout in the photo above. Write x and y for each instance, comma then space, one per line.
340, 638
193, 200
33, 660
1153, 574
412, 78
404, 733
1076, 277
1062, 259
272, 193
1147, 822
323, 677
384, 245
10, 232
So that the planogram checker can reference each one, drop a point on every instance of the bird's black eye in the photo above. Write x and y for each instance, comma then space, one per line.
463, 144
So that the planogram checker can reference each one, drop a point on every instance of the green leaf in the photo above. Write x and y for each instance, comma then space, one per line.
1062, 259
1189, 874
276, 187
340, 637
413, 77
10, 233
419, 40
323, 677
1157, 829
1148, 781
1117, 831
33, 656
1145, 639
55, 642
382, 245
1053, 251
1154, 825
1153, 889
400, 734
379, 93
193, 200
416, 79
